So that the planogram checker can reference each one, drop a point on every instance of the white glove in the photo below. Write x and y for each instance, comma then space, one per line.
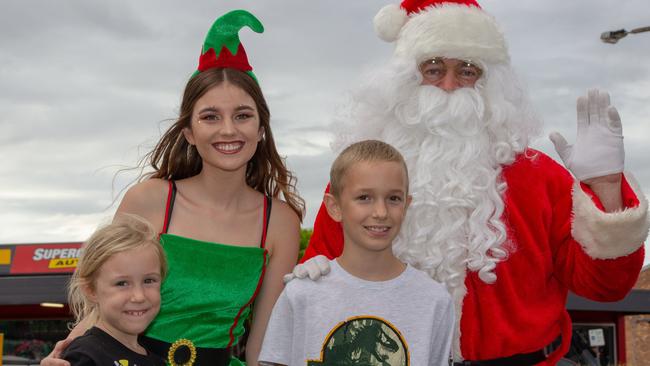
598, 150
313, 267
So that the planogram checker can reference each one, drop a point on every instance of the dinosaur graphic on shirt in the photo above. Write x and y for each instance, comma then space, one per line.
363, 340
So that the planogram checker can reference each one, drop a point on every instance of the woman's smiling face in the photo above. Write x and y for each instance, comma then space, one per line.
225, 128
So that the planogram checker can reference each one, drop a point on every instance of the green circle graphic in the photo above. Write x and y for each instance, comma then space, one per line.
367, 341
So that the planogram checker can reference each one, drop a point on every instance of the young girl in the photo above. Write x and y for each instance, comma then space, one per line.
214, 197
116, 287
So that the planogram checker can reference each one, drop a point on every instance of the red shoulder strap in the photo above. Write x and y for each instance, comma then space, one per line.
169, 206
265, 222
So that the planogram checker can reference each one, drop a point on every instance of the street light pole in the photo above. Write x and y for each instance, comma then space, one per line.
615, 36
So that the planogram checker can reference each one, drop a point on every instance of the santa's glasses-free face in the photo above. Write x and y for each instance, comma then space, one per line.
466, 73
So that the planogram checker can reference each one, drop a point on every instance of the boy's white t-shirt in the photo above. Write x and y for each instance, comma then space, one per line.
340, 318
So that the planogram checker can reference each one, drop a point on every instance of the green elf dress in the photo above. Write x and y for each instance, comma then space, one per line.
209, 288
206, 296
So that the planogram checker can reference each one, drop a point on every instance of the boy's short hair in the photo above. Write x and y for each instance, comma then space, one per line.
363, 151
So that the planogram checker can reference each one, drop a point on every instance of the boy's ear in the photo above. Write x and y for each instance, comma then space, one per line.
409, 198
332, 206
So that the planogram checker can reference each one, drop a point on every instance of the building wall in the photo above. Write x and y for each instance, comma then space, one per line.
637, 329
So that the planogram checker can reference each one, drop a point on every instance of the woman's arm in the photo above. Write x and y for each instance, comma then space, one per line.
283, 242
80, 328
146, 199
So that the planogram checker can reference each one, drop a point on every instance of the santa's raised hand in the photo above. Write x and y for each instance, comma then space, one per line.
598, 156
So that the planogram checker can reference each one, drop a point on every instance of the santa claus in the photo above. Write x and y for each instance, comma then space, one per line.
508, 230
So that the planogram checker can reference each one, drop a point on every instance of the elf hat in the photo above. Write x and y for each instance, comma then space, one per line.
441, 28
222, 47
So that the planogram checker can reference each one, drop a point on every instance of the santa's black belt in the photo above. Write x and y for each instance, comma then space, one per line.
520, 359
182, 353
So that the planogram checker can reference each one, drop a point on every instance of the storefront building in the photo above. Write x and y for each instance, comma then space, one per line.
637, 327
33, 306
34, 312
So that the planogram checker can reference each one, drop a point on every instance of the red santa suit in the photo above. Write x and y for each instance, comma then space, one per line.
562, 240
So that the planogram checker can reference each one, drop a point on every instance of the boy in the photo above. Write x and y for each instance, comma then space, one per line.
372, 309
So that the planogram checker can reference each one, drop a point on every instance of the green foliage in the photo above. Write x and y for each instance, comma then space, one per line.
305, 234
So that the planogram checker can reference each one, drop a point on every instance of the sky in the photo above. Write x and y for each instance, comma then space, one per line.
87, 87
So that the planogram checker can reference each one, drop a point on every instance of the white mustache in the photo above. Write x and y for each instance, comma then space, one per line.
429, 107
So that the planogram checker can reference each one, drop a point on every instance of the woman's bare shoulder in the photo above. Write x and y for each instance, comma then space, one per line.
284, 226
147, 199
283, 214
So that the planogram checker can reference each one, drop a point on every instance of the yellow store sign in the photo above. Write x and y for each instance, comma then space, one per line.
5, 258
63, 263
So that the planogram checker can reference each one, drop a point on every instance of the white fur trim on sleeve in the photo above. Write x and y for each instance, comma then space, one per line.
609, 235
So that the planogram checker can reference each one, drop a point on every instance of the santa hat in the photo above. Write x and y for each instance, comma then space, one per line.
446, 28
222, 47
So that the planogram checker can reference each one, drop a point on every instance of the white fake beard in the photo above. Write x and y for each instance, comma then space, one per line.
454, 221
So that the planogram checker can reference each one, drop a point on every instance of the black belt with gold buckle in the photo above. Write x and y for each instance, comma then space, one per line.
183, 352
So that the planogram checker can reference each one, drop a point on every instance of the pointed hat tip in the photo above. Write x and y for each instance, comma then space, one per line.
224, 35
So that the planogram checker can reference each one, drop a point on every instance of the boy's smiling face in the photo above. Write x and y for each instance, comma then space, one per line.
371, 204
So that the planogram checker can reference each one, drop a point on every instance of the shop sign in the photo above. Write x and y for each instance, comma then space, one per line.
596, 337
45, 258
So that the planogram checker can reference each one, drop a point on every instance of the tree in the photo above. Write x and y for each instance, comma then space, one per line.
305, 234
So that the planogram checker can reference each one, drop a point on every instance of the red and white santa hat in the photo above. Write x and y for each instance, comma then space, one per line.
442, 28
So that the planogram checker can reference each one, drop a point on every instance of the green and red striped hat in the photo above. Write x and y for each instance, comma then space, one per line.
222, 47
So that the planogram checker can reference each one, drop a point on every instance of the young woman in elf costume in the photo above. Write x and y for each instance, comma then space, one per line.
214, 197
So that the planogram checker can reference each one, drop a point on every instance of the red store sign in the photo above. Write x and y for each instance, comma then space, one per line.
45, 258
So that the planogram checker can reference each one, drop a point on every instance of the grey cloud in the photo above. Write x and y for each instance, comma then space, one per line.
87, 85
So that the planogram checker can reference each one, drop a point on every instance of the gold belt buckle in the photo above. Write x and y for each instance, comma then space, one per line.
179, 343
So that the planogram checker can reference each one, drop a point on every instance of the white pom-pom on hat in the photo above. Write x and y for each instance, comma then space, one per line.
389, 21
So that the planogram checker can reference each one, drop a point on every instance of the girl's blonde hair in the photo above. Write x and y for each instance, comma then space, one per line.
126, 232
